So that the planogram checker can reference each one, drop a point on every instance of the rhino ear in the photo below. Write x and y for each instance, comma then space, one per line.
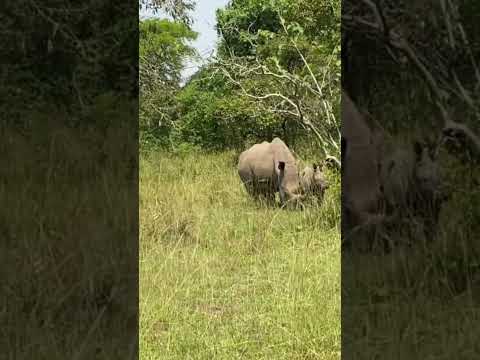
281, 165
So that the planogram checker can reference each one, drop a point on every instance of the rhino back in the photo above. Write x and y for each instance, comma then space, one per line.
360, 180
256, 162
354, 127
282, 153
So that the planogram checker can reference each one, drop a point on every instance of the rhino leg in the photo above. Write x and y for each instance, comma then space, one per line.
282, 196
263, 190
281, 174
269, 198
249, 187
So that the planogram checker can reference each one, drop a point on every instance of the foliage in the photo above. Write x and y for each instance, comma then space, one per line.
410, 65
177, 9
288, 64
242, 21
211, 115
65, 54
67, 122
265, 49
430, 67
224, 278
163, 49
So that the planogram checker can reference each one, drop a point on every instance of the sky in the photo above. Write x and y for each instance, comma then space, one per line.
204, 24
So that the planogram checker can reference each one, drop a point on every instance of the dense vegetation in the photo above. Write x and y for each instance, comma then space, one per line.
68, 120
222, 276
414, 67
65, 57
276, 73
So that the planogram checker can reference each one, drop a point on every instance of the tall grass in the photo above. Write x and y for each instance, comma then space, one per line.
419, 302
222, 277
69, 242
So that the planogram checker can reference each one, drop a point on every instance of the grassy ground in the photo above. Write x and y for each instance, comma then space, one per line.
68, 246
419, 302
405, 306
224, 278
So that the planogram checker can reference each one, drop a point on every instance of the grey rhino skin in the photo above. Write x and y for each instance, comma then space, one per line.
398, 176
313, 181
361, 190
268, 168
378, 185
412, 185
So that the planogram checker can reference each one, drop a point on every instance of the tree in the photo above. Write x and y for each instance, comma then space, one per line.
178, 9
433, 39
163, 50
276, 73
211, 115
65, 54
286, 64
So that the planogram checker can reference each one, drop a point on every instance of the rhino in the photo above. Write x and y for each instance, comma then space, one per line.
268, 168
313, 181
379, 185
412, 184
361, 188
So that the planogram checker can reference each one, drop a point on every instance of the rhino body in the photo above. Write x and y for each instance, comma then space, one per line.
412, 185
397, 175
360, 169
313, 181
399, 184
268, 168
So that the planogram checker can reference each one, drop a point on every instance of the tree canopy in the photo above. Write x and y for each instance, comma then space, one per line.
163, 49
276, 73
65, 55
178, 9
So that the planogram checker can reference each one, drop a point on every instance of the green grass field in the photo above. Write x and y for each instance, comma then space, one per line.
69, 242
222, 277
419, 302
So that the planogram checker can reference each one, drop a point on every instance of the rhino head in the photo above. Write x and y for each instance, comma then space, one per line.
428, 176
426, 168
290, 189
313, 181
